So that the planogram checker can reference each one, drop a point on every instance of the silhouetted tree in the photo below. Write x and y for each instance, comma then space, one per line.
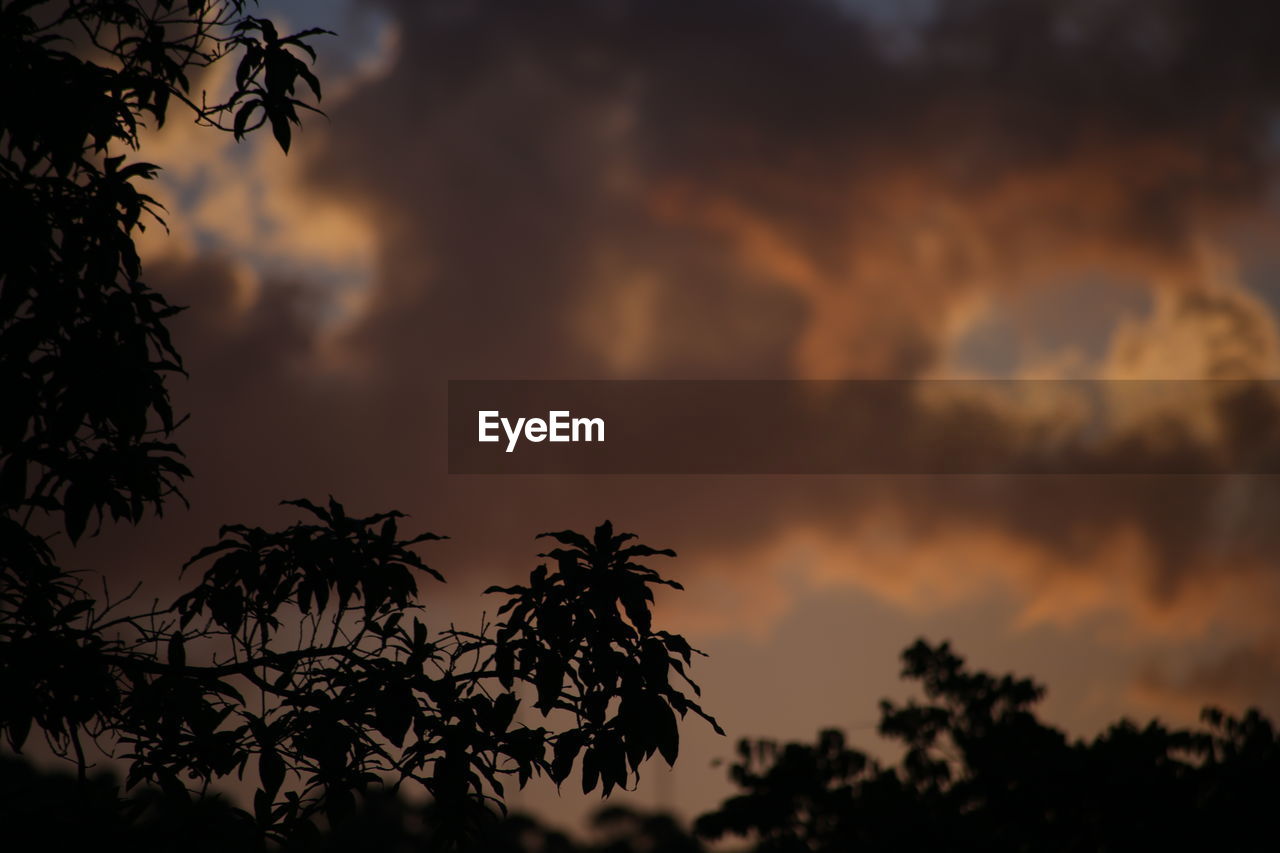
84, 351
981, 772
83, 346
366, 691
300, 656
319, 674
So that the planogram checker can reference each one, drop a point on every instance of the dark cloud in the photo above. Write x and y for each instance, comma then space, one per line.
746, 189
762, 189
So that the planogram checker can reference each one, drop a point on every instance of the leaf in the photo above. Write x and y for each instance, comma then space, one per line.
74, 609
654, 660
504, 711
613, 765
504, 662
549, 679
243, 115
75, 511
262, 807
13, 481
637, 610
227, 607
245, 69
305, 74
18, 731
393, 714
666, 730
644, 551
567, 747
336, 511
177, 650
568, 537
271, 771
225, 689
389, 626
604, 537
309, 507
678, 644
590, 771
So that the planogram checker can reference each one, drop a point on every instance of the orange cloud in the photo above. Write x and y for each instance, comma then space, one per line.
754, 189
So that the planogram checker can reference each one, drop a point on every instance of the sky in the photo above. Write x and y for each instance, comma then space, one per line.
759, 189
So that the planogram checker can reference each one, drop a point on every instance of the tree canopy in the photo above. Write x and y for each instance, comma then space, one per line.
980, 771
84, 349
319, 677
302, 658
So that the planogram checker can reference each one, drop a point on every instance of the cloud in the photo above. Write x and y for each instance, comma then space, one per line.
245, 202
1243, 675
759, 190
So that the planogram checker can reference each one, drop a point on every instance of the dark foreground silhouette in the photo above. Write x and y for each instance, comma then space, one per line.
218, 684
979, 772
302, 662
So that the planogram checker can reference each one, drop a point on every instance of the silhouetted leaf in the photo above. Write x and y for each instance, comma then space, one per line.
271, 771
666, 731
177, 650
394, 712
590, 770
566, 751
76, 507
568, 537
549, 679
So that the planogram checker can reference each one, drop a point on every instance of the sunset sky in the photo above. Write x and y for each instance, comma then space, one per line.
753, 189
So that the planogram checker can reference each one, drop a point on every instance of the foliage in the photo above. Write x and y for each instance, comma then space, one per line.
301, 658
322, 677
1010, 783
582, 635
981, 772
84, 351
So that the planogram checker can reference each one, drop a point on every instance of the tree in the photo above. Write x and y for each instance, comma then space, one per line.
981, 772
84, 351
300, 657
321, 677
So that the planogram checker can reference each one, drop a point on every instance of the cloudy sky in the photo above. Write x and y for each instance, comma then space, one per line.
749, 189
